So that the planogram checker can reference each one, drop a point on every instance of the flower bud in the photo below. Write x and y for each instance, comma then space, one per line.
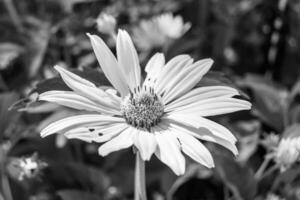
106, 23
287, 152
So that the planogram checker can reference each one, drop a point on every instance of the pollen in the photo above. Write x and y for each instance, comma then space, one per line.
142, 108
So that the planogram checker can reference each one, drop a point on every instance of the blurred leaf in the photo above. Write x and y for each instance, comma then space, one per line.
68, 4
74, 175
295, 91
213, 78
238, 178
248, 145
7, 117
77, 195
268, 100
8, 53
292, 131
294, 113
193, 171
37, 46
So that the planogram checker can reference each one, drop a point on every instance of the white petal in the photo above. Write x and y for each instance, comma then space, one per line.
69, 123
73, 100
201, 133
122, 141
195, 149
146, 144
110, 131
155, 63
153, 68
201, 93
168, 151
171, 70
81, 133
198, 122
109, 64
187, 82
128, 59
214, 106
174, 64
88, 90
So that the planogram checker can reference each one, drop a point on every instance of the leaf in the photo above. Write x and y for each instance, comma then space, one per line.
8, 53
238, 178
193, 171
268, 100
292, 131
73, 175
31, 104
68, 4
214, 78
77, 195
295, 91
57, 83
7, 117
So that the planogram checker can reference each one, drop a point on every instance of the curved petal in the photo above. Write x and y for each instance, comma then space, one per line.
198, 122
109, 64
201, 133
110, 131
214, 106
168, 151
153, 68
145, 143
122, 141
175, 64
73, 122
88, 90
195, 149
96, 133
128, 59
187, 81
201, 93
81, 133
171, 70
73, 100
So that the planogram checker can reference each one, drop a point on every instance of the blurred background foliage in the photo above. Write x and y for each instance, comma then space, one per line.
256, 48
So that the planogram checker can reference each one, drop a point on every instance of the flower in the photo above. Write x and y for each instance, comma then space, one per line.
106, 23
159, 30
287, 152
25, 167
163, 115
272, 196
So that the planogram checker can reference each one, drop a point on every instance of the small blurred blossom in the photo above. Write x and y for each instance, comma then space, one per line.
25, 167
287, 152
159, 30
230, 55
270, 142
60, 141
106, 23
272, 196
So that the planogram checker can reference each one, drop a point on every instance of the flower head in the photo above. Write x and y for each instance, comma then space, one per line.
106, 23
287, 152
162, 115
159, 30
25, 167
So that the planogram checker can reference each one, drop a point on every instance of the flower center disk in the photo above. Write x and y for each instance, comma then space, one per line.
142, 109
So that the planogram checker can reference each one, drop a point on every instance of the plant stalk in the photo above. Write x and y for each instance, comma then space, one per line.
139, 179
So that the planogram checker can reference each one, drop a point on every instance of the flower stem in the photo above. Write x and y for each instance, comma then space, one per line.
139, 182
262, 167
